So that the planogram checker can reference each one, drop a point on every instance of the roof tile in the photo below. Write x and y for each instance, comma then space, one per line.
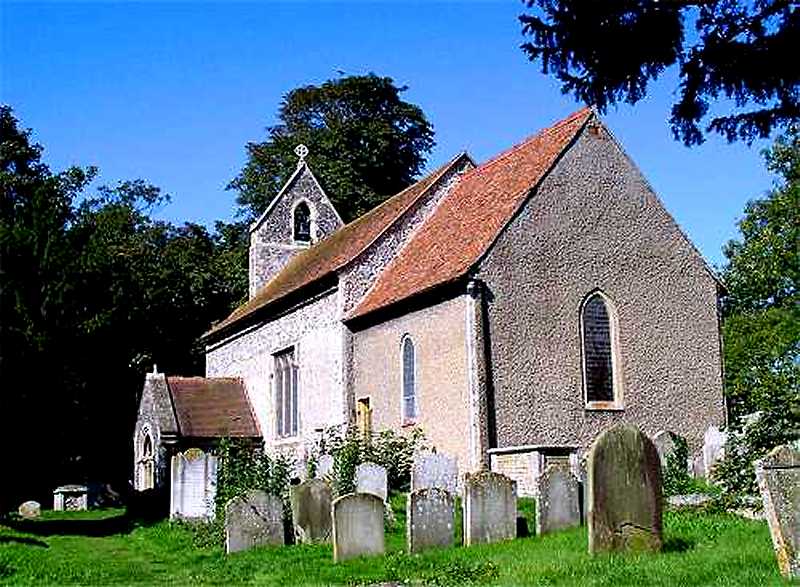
212, 407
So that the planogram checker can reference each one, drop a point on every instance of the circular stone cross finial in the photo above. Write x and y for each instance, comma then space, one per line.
301, 151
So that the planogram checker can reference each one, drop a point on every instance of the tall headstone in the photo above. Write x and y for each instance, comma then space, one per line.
624, 483
372, 479
557, 500
311, 511
253, 519
490, 508
778, 476
324, 466
357, 526
193, 485
430, 517
665, 443
713, 448
434, 470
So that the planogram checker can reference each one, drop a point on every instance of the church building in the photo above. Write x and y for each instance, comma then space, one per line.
511, 310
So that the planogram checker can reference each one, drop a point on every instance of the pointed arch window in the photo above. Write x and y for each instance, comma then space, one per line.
147, 468
409, 375
286, 379
302, 223
601, 377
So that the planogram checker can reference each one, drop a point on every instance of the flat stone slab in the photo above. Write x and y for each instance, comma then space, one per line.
434, 470
557, 499
357, 526
371, 478
430, 519
311, 511
624, 485
490, 508
778, 476
30, 510
253, 519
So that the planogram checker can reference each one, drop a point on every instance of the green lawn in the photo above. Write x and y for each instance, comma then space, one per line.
102, 548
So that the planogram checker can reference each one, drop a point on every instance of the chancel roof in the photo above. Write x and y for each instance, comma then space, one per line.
212, 407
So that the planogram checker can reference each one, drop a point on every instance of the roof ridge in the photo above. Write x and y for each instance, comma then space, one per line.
538, 134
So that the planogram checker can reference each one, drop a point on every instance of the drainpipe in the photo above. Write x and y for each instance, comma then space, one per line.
476, 370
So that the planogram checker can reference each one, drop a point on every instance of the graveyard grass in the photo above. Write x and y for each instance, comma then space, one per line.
101, 548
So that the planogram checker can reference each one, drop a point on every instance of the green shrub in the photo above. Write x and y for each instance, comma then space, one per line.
677, 480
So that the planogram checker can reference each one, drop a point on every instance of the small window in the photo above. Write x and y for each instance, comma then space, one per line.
147, 464
599, 351
285, 379
409, 381
364, 417
302, 223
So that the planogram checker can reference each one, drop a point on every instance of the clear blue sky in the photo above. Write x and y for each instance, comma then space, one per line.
172, 93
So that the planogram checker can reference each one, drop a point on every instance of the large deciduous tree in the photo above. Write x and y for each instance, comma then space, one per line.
761, 325
365, 144
607, 51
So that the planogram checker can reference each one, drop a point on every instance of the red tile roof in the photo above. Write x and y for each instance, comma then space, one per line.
335, 251
470, 217
212, 407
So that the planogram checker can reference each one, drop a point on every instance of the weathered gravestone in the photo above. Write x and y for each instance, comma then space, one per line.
324, 466
624, 483
193, 485
30, 510
490, 508
311, 511
253, 519
372, 479
778, 476
713, 448
430, 515
434, 470
665, 442
557, 499
70, 498
357, 526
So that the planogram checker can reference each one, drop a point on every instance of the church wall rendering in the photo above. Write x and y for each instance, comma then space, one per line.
594, 224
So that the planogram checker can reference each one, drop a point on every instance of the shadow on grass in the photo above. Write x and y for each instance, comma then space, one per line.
677, 545
120, 524
23, 540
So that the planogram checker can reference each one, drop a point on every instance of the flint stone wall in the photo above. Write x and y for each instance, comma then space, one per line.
778, 476
253, 519
311, 511
557, 500
624, 484
490, 508
357, 526
430, 519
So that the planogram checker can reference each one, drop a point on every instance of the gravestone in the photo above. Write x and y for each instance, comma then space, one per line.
490, 508
624, 483
434, 470
778, 476
665, 443
357, 526
311, 511
430, 516
557, 500
30, 510
713, 448
253, 519
371, 478
193, 485
324, 466
70, 498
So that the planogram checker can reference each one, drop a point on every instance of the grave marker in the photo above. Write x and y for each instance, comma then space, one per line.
434, 470
557, 500
490, 508
372, 479
430, 515
253, 519
311, 511
357, 526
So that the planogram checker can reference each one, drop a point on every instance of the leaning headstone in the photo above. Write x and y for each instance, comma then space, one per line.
311, 511
372, 479
665, 443
557, 500
193, 485
430, 515
713, 448
778, 476
324, 466
30, 510
434, 470
624, 483
357, 526
253, 519
490, 508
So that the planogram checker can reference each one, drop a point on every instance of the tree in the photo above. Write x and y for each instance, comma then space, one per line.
365, 144
761, 327
607, 51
